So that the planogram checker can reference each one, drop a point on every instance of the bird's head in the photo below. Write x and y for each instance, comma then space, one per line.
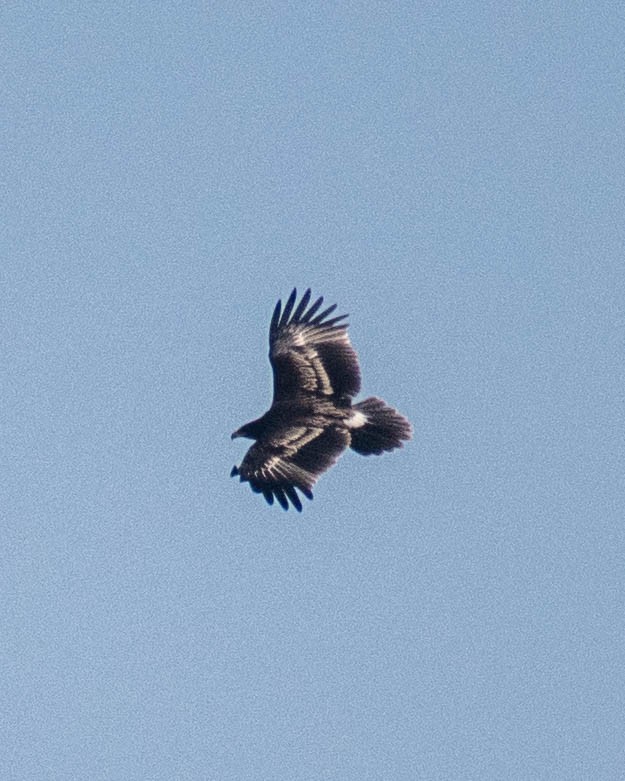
244, 431
252, 430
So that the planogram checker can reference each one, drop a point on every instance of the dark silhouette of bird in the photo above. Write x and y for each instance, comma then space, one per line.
312, 420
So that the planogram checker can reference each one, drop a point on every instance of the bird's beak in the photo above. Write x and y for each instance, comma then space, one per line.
235, 434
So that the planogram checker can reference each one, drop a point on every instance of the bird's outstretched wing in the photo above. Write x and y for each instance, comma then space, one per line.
294, 458
311, 355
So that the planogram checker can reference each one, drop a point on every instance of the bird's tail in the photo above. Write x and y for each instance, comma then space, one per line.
383, 428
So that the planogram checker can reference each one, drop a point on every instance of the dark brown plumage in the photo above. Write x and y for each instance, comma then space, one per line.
312, 419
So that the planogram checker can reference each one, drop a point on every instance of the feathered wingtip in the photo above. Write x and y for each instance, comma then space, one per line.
281, 318
283, 493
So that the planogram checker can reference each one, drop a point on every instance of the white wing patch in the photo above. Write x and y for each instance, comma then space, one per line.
294, 438
279, 467
325, 386
304, 338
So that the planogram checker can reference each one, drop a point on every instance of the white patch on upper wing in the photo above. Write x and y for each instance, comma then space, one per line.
300, 342
325, 386
294, 438
278, 466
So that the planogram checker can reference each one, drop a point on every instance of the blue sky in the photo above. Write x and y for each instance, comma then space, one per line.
453, 177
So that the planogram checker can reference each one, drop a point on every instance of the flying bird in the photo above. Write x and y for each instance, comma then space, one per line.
312, 420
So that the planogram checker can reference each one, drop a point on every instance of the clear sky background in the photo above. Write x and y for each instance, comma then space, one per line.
453, 176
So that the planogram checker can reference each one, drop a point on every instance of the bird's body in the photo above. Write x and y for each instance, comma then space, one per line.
312, 419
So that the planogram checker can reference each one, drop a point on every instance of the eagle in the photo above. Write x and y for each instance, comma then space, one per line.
312, 419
